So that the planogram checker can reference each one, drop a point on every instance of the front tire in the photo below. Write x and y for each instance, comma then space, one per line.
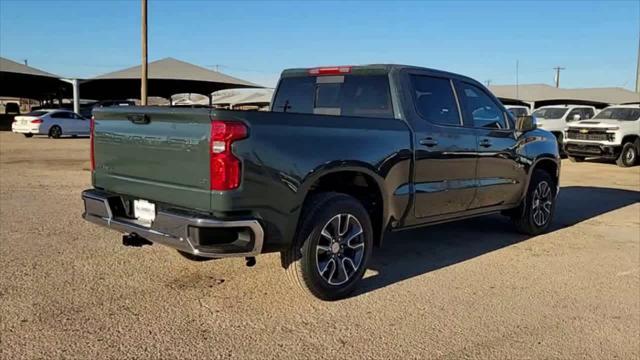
332, 247
534, 215
28, 135
55, 132
628, 156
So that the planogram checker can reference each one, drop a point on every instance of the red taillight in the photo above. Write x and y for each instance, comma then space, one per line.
91, 129
36, 121
224, 166
332, 70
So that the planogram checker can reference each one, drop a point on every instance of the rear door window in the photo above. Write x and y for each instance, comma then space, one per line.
435, 100
350, 95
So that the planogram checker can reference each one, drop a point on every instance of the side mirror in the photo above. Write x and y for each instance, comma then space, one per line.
576, 117
526, 123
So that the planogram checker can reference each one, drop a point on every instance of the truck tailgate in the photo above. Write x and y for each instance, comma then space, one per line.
152, 153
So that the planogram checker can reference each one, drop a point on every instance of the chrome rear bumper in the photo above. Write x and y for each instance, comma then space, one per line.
188, 232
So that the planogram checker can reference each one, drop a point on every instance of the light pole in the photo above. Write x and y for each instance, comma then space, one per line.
145, 74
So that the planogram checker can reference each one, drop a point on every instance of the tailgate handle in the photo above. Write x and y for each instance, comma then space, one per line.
139, 119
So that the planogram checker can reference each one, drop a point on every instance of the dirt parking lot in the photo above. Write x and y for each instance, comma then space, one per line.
473, 289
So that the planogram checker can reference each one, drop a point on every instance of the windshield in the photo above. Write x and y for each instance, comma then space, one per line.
37, 113
625, 114
550, 113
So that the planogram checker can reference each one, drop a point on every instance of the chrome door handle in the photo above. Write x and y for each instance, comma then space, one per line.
429, 142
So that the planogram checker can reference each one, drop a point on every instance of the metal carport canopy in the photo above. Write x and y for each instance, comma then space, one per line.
542, 94
18, 80
166, 77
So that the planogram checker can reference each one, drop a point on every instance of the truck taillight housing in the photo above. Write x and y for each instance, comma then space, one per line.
92, 134
225, 168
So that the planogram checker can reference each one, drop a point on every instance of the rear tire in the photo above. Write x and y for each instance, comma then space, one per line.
28, 135
534, 215
55, 132
331, 248
576, 159
628, 156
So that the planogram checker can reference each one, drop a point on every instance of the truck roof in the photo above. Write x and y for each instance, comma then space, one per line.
369, 69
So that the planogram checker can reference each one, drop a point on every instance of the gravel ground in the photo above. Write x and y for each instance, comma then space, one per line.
472, 289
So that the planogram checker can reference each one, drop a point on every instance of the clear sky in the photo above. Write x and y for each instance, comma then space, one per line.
596, 41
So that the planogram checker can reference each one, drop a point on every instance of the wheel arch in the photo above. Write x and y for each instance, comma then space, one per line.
547, 163
632, 138
357, 180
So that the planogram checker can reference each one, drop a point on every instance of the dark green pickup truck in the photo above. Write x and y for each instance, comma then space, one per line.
345, 155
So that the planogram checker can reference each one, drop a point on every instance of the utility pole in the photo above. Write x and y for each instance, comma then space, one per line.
488, 82
517, 82
145, 73
557, 69
26, 62
638, 68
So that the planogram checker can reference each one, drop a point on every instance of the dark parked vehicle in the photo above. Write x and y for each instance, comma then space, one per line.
345, 155
12, 108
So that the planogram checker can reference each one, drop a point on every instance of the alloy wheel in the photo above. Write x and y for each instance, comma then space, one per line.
630, 156
340, 249
56, 132
542, 203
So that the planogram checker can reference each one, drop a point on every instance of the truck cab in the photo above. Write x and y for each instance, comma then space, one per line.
612, 134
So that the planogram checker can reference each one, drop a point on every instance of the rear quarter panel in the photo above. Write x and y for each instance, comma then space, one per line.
285, 153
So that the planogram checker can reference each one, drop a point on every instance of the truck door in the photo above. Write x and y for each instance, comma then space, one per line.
445, 150
500, 177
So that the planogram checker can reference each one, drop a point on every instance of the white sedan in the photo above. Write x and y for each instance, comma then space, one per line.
54, 123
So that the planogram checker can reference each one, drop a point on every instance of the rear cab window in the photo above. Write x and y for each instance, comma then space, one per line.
342, 95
